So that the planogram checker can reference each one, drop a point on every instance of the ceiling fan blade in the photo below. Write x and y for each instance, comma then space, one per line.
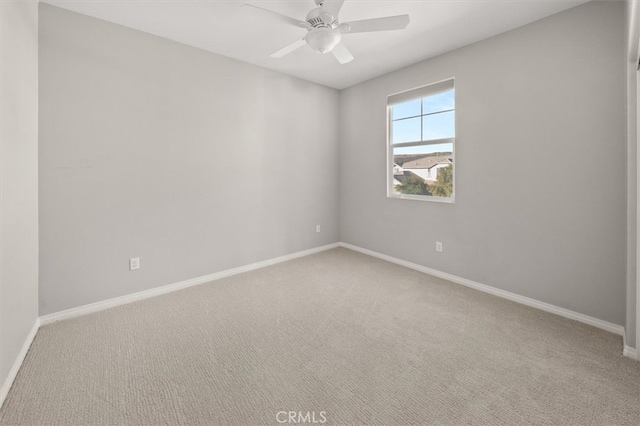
342, 54
376, 24
278, 16
332, 7
289, 48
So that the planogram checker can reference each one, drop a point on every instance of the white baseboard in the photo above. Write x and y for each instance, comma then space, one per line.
630, 352
134, 297
99, 306
598, 323
18, 362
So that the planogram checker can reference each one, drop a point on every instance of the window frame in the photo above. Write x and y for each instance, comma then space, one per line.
421, 92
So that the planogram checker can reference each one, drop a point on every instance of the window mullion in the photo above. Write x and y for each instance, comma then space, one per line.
406, 118
438, 112
421, 119
423, 143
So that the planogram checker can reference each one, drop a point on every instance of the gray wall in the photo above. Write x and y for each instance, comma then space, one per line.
541, 169
632, 170
18, 178
194, 162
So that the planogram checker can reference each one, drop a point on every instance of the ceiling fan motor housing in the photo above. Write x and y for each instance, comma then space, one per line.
318, 18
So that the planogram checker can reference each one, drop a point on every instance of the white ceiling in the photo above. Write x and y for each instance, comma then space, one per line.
223, 27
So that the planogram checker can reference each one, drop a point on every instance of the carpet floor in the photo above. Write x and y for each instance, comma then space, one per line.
336, 338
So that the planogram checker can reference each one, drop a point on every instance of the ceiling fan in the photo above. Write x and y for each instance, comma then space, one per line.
324, 29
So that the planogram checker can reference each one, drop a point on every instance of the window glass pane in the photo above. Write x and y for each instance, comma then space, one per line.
423, 170
407, 109
439, 126
407, 130
441, 102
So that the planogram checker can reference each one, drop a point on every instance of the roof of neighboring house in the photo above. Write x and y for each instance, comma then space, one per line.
428, 162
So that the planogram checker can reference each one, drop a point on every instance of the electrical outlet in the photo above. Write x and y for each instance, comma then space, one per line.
439, 246
317, 228
134, 263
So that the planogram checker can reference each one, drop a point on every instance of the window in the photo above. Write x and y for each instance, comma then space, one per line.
422, 131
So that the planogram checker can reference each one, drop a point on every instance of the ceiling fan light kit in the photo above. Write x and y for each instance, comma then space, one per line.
324, 30
323, 40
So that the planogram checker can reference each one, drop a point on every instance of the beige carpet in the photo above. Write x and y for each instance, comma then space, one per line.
337, 336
